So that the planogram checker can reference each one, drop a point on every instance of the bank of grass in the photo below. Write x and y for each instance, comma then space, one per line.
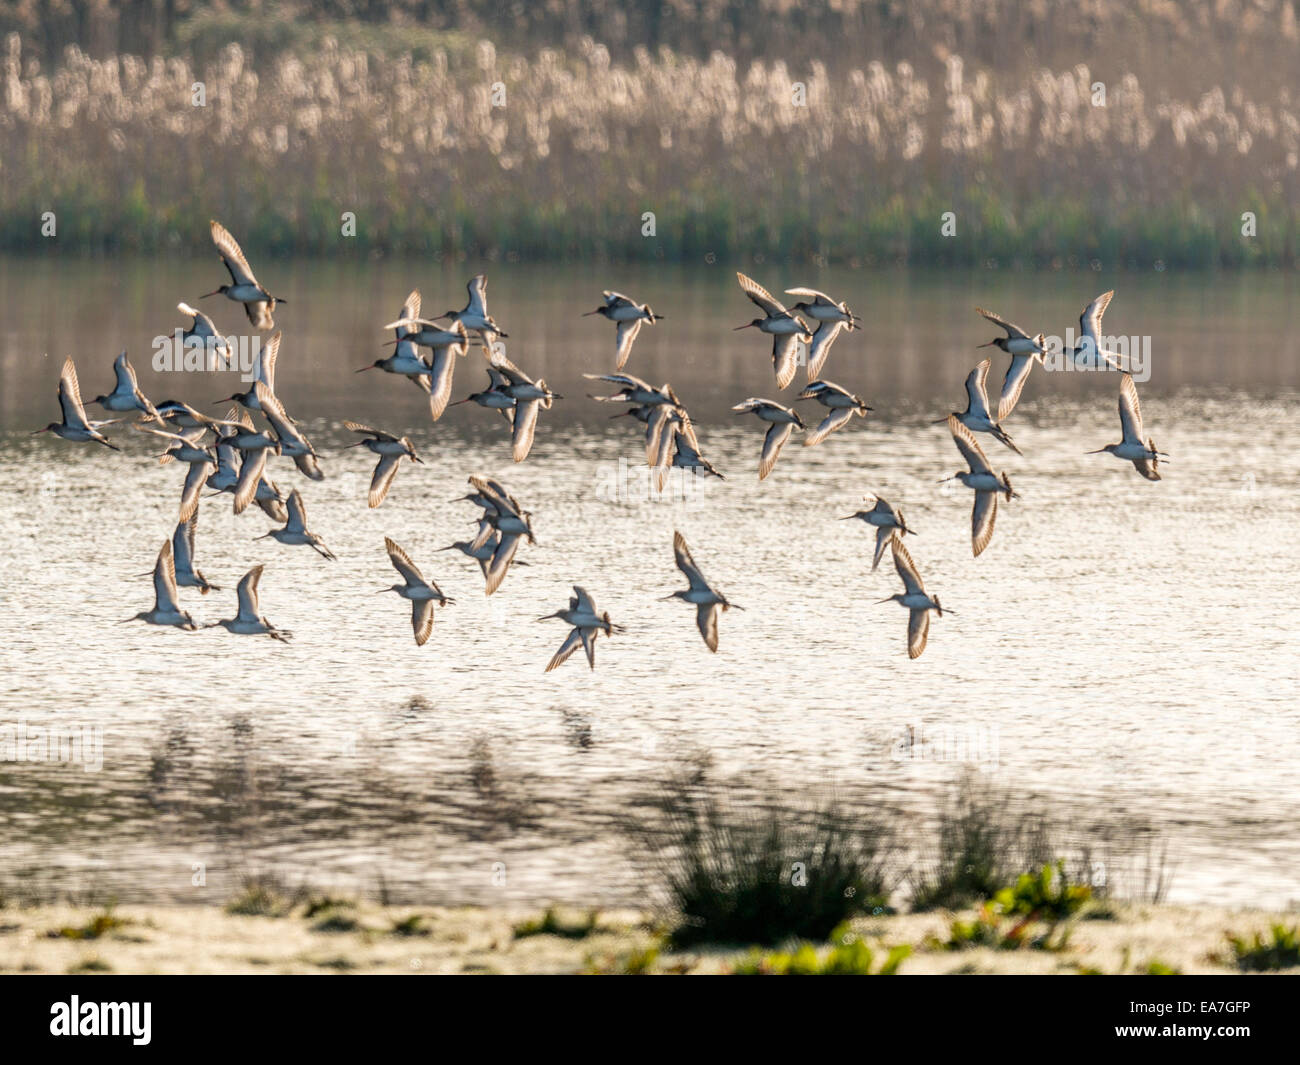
398, 125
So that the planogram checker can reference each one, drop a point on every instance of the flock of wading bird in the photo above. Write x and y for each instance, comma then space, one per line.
234, 460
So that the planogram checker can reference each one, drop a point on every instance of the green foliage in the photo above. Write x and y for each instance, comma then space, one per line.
260, 898
1046, 894
1033, 912
983, 842
848, 956
740, 876
337, 920
321, 904
101, 924
407, 140
993, 928
414, 925
1279, 950
550, 924
93, 964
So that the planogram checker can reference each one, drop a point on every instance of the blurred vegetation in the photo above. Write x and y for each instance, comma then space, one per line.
1280, 949
759, 875
990, 111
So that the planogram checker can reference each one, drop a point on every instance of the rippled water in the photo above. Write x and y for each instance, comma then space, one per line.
1123, 650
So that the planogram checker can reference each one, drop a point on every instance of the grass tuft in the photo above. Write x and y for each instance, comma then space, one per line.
101, 924
1280, 949
747, 876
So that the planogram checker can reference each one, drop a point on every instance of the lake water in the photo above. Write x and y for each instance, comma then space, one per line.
1124, 651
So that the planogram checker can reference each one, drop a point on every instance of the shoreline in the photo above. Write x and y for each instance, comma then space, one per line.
360, 937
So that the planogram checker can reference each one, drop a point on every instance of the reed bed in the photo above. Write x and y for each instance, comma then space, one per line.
417, 146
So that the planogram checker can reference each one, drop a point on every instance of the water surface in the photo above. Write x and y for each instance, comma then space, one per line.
1123, 650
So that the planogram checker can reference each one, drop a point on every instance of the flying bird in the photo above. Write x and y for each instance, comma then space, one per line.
390, 449
831, 316
422, 593
986, 484
629, 316
502, 514
295, 529
530, 396
1142, 453
290, 438
886, 520
976, 416
202, 330
1088, 351
244, 287
914, 598
842, 403
703, 596
166, 604
474, 316
126, 395
1024, 351
264, 373
587, 624
248, 620
782, 421
183, 556
74, 426
787, 330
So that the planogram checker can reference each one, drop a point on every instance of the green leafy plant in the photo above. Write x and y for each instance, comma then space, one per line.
848, 956
1047, 894
1279, 950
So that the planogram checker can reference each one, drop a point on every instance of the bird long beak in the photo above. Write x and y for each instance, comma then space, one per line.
365, 368
885, 600
1097, 452
588, 314
38, 433
214, 292
988, 345
747, 325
